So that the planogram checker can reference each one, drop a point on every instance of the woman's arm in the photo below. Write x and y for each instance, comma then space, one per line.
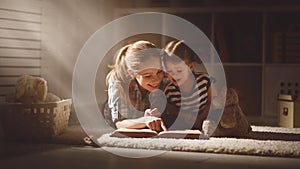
117, 102
121, 112
131, 123
150, 122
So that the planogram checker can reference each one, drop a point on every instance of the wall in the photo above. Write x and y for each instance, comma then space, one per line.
44, 37
67, 25
20, 42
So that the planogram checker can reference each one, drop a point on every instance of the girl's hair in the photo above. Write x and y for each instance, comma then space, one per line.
178, 51
130, 57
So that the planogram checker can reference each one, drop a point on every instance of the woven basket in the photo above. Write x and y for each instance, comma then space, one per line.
35, 121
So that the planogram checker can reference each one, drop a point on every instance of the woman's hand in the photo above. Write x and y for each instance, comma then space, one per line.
152, 112
151, 122
155, 123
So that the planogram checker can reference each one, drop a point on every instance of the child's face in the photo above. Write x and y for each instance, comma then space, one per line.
178, 72
150, 74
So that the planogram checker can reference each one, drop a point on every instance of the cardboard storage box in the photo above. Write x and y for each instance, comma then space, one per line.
289, 111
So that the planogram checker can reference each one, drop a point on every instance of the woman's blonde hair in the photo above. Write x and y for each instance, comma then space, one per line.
178, 51
130, 57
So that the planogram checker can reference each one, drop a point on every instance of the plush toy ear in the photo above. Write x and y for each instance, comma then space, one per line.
233, 96
21, 86
41, 88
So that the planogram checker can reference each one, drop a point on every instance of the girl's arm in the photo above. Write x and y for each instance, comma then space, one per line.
204, 113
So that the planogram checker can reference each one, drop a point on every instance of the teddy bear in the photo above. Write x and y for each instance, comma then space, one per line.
31, 89
233, 121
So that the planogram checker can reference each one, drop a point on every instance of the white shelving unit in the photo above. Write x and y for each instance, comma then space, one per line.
253, 73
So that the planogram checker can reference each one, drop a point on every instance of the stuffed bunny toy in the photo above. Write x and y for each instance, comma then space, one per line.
233, 121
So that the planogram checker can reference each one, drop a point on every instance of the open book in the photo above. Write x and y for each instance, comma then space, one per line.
145, 133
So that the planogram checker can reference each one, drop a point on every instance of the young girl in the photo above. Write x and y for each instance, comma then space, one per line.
188, 92
135, 76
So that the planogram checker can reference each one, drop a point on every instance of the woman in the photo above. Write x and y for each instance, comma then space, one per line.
134, 78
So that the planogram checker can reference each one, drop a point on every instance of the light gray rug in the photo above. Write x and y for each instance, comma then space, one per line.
263, 140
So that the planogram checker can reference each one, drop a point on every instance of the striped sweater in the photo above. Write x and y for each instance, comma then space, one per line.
194, 101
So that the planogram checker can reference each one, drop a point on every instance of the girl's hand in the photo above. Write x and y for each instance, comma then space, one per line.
155, 124
208, 127
152, 112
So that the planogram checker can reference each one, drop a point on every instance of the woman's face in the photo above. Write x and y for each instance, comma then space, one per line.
150, 74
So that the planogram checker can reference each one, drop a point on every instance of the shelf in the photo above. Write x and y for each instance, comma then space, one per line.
245, 39
283, 37
238, 36
201, 20
263, 121
282, 64
242, 64
228, 64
